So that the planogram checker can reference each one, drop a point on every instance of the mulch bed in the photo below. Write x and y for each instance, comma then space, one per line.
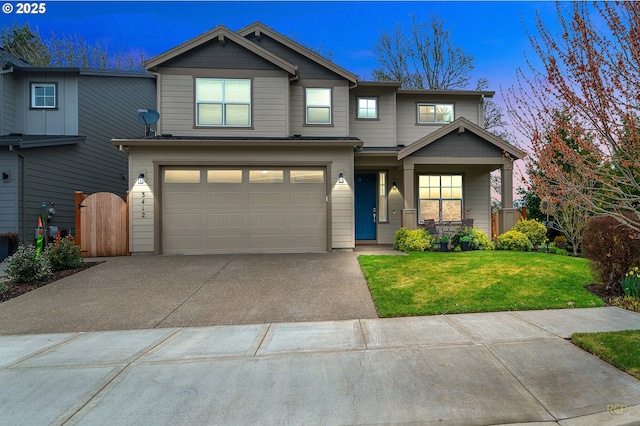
12, 291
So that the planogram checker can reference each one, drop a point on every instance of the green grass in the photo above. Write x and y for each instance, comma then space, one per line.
476, 281
620, 348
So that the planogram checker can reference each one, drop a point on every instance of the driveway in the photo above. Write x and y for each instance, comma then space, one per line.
143, 292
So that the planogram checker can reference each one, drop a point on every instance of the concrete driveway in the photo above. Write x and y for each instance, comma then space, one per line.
142, 292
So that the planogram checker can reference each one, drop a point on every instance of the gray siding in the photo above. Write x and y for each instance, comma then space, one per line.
456, 144
380, 132
408, 129
107, 108
9, 192
60, 121
8, 111
339, 113
220, 56
307, 69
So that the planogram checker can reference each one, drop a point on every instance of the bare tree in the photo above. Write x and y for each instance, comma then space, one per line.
423, 58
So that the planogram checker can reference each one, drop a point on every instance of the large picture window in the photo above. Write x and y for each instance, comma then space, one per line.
318, 106
223, 102
440, 198
435, 113
43, 95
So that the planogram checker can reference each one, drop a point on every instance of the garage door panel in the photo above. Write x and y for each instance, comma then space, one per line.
211, 217
225, 199
258, 199
225, 220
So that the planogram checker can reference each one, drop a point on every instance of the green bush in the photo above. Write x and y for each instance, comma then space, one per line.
478, 240
553, 250
562, 252
535, 231
63, 254
514, 240
415, 240
23, 267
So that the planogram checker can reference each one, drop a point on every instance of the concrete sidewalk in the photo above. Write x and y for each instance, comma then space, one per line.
471, 369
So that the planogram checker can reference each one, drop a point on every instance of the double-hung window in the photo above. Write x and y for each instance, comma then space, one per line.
43, 95
367, 108
440, 198
318, 105
435, 113
223, 102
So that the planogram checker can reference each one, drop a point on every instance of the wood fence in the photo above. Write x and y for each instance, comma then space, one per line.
102, 224
520, 215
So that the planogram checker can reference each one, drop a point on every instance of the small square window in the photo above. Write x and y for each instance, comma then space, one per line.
43, 95
367, 108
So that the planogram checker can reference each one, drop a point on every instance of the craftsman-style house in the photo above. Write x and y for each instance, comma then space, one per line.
265, 146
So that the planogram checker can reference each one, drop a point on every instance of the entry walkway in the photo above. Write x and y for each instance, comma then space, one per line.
470, 369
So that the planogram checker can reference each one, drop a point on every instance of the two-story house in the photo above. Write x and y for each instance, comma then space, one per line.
56, 125
265, 146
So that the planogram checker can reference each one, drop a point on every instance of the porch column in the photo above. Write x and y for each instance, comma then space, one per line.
507, 215
409, 212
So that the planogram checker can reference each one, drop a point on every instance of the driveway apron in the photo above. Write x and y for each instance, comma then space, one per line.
142, 292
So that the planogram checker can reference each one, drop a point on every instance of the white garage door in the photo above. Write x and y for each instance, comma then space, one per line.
243, 210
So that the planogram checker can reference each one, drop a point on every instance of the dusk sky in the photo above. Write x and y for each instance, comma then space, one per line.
492, 32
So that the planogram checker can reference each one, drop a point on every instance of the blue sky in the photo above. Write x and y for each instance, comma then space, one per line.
493, 32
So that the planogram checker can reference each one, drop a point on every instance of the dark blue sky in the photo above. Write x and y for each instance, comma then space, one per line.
493, 32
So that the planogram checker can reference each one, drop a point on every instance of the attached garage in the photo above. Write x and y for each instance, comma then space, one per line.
248, 209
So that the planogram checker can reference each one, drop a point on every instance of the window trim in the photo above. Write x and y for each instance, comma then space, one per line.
434, 104
197, 125
33, 85
306, 107
374, 98
440, 199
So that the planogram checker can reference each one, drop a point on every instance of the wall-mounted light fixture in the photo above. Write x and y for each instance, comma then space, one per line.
394, 186
141, 178
340, 178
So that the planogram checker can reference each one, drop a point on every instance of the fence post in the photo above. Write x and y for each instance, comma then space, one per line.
79, 198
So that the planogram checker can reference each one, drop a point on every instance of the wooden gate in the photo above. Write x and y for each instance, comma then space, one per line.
102, 224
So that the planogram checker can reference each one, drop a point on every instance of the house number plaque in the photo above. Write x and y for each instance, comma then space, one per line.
142, 202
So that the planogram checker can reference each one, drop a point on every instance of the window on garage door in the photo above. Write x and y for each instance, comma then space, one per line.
266, 176
224, 176
182, 176
306, 176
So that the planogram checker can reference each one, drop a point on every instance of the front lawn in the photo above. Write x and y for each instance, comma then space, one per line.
620, 348
476, 281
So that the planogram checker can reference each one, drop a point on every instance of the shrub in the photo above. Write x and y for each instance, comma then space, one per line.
631, 283
23, 267
478, 240
535, 231
610, 248
401, 238
414, 240
553, 250
63, 254
560, 239
514, 240
562, 252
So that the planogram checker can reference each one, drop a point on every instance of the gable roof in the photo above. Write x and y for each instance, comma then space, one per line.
461, 125
7, 60
259, 28
220, 32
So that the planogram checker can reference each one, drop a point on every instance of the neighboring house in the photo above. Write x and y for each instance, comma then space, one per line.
55, 130
265, 146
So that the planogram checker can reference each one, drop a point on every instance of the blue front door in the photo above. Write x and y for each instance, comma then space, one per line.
365, 196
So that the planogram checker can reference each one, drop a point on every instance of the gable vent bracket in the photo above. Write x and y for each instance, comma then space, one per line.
258, 34
221, 39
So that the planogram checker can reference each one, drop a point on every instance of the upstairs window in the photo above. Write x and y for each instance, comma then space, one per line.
223, 102
43, 95
318, 106
440, 198
367, 108
435, 113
